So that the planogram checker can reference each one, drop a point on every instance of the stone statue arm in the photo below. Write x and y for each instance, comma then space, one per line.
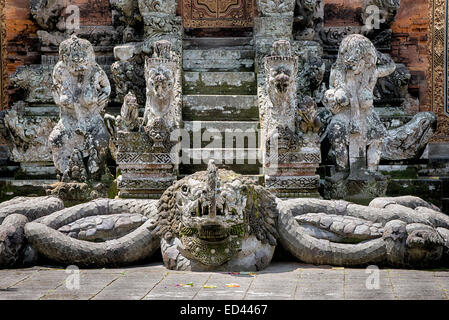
60, 89
104, 87
385, 66
337, 97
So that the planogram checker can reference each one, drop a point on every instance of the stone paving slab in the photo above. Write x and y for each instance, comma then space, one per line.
280, 281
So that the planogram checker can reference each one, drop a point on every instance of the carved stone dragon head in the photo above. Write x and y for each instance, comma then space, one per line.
212, 213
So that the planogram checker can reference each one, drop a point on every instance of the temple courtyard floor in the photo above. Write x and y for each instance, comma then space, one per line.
280, 281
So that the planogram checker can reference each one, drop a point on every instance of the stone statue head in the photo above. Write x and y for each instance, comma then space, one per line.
158, 133
357, 54
308, 5
77, 54
160, 76
212, 212
130, 110
281, 68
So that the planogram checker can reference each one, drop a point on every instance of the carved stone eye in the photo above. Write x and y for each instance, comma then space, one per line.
185, 189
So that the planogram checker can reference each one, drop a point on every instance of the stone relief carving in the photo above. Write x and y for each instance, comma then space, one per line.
211, 221
279, 107
308, 18
81, 90
144, 145
289, 128
269, 8
162, 6
27, 136
162, 86
357, 136
48, 13
35, 82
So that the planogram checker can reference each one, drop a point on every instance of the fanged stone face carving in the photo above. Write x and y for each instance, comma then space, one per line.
211, 234
212, 213
161, 82
159, 135
280, 79
309, 5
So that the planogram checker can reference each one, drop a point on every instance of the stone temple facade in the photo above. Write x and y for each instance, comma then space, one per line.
132, 96
216, 131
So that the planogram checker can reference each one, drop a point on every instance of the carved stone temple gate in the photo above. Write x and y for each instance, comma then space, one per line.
217, 13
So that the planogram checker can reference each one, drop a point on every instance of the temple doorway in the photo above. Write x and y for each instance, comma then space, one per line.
202, 18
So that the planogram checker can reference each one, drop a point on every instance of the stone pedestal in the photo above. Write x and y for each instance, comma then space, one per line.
143, 174
295, 174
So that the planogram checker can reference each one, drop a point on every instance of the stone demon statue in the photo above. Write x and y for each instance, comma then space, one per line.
81, 90
219, 220
357, 136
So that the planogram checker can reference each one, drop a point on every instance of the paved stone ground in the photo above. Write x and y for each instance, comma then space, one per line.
281, 281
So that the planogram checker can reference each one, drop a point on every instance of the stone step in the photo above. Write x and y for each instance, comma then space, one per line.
241, 83
223, 134
214, 42
220, 107
244, 169
10, 188
218, 60
222, 156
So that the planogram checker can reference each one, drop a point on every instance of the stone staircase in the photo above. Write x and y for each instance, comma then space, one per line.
220, 109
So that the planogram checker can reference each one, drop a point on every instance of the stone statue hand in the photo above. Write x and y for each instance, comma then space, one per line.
103, 99
354, 126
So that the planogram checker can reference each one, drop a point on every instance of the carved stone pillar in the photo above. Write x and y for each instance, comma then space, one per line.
290, 143
147, 156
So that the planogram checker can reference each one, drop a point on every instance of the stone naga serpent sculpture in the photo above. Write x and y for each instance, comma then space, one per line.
219, 220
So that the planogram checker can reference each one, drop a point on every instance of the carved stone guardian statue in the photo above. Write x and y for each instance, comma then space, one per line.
146, 156
81, 90
291, 147
356, 134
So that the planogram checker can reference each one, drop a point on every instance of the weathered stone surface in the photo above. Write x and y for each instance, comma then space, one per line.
48, 13
309, 17
145, 153
103, 228
12, 239
220, 107
216, 223
218, 60
27, 136
276, 7
235, 83
283, 132
355, 131
35, 81
134, 246
410, 140
80, 136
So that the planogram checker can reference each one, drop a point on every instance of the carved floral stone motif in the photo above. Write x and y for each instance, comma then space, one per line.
81, 90
27, 136
276, 7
